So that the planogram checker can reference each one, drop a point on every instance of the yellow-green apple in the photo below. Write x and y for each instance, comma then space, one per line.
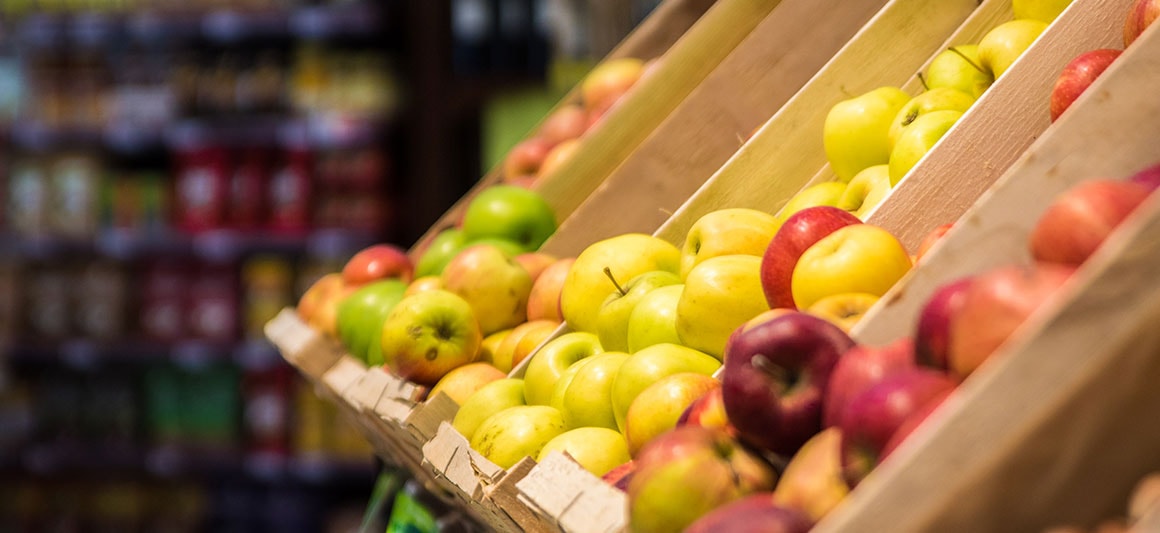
558, 156
429, 334
648, 366
824, 193
856, 133
626, 256
493, 283
812, 480
995, 305
598, 450
512, 213
732, 231
721, 293
912, 422
1001, 46
544, 300
488, 400
756, 513
461, 383
931, 238
425, 283
1140, 15
360, 317
658, 407
775, 379
508, 436
859, 368
612, 319
932, 335
609, 81
526, 157
868, 188
564, 381
567, 122
489, 346
686, 473
958, 67
587, 398
513, 345
1082, 217
377, 262
844, 309
854, 258
654, 318
1043, 10
553, 359
916, 139
620, 476
439, 251
1148, 177
1077, 75
937, 99
708, 411
796, 235
872, 417
535, 263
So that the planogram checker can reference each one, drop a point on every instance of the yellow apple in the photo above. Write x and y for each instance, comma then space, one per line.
488, 400
866, 191
598, 450
1001, 46
425, 283
462, 382
520, 342
856, 133
559, 155
517, 432
824, 193
648, 366
626, 256
855, 258
735, 231
720, 295
843, 310
937, 99
654, 318
658, 407
489, 346
587, 399
812, 481
493, 282
552, 360
609, 81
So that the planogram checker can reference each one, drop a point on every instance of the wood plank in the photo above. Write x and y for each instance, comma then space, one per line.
508, 497
572, 497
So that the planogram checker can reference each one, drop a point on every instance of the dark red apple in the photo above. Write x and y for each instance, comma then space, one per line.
931, 238
1140, 15
775, 378
913, 421
873, 416
755, 513
380, 261
1079, 220
1080, 73
858, 369
800, 231
932, 337
526, 157
1149, 177
620, 476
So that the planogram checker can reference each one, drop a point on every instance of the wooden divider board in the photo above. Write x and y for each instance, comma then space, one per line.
573, 498
304, 348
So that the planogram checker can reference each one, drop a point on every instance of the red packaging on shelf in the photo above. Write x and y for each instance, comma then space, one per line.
247, 189
201, 189
164, 289
213, 304
289, 191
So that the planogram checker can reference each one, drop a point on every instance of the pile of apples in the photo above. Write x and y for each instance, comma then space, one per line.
1144, 499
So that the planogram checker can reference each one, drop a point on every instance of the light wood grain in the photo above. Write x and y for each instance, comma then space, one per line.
574, 498
505, 495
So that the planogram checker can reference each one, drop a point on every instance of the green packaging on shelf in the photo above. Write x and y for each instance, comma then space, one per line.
410, 514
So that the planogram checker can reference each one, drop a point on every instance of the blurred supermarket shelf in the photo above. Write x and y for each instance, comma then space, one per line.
81, 354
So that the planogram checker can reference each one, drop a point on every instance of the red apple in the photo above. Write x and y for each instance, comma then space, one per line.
931, 238
526, 157
1140, 15
544, 300
860, 368
377, 262
535, 263
755, 513
912, 422
1077, 76
995, 305
873, 416
568, 122
932, 338
800, 231
620, 476
1149, 177
1079, 220
708, 411
775, 379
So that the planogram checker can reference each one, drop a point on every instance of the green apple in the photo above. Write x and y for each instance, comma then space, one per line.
361, 315
658, 407
612, 320
1001, 46
508, 436
587, 399
565, 380
727, 232
488, 400
509, 212
626, 256
855, 258
598, 450
856, 132
552, 360
1042, 10
958, 67
720, 294
429, 334
866, 191
917, 139
442, 247
648, 366
654, 319
493, 283
939, 99
825, 193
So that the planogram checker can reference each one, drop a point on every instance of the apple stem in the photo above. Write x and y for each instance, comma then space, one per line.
922, 79
608, 272
967, 59
762, 363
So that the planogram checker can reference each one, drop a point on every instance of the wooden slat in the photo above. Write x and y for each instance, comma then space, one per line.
572, 497
505, 494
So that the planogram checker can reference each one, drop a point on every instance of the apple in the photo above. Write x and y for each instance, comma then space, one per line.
856, 133
567, 122
720, 294
995, 305
558, 157
844, 309
1001, 46
812, 481
535, 263
932, 336
931, 238
493, 283
377, 262
1145, 497
544, 300
620, 476
1140, 15
658, 407
425, 283
756, 513
460, 383
486, 401
490, 346
322, 294
526, 157
1149, 177
654, 318
688, 472
866, 190
586, 400
1077, 76
552, 360
612, 320
429, 334
626, 256
508, 436
520, 343
797, 234
512, 213
937, 99
860, 368
564, 381
775, 379
872, 417
1080, 219
439, 251
825, 193
855, 258
915, 140
735, 231
1043, 10
913, 421
959, 68
609, 81
360, 317
648, 366
598, 450
708, 411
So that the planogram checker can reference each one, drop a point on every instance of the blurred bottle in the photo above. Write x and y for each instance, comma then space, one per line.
251, 177
289, 191
164, 291
74, 192
213, 304
201, 188
268, 282
309, 78
266, 394
101, 301
28, 196
47, 301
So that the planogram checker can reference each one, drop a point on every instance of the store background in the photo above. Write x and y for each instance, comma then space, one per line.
172, 173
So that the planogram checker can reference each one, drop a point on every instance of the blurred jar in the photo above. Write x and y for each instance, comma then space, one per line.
268, 284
